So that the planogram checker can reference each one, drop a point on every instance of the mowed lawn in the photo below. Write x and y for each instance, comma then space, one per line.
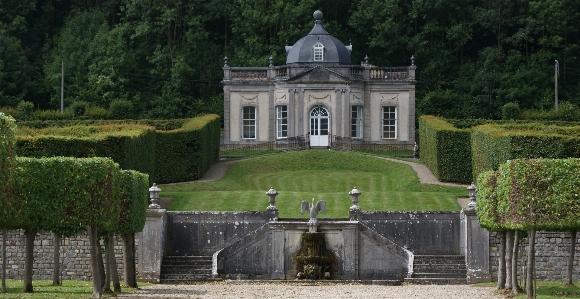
319, 174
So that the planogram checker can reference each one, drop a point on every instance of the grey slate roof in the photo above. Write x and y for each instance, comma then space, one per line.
335, 52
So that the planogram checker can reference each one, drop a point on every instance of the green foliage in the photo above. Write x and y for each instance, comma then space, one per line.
134, 198
510, 111
493, 144
25, 110
132, 146
66, 192
184, 154
96, 112
7, 161
445, 150
78, 108
53, 114
540, 193
121, 109
487, 201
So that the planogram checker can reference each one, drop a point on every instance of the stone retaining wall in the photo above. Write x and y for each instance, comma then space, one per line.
552, 250
75, 256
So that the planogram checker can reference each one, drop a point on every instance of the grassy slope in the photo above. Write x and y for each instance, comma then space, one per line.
318, 174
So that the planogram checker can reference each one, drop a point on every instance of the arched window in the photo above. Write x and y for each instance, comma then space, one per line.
318, 52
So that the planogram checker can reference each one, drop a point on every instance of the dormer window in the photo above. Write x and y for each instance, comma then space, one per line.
318, 52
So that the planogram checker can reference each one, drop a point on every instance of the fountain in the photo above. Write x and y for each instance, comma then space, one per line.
314, 261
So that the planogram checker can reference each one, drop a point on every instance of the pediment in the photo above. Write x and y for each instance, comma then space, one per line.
319, 73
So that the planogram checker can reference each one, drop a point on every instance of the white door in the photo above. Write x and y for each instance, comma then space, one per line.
319, 124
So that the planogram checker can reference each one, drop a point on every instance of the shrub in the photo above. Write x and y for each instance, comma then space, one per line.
7, 160
510, 111
9, 111
52, 114
25, 110
96, 112
78, 108
121, 109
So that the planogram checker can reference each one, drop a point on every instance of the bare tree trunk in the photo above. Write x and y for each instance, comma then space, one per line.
29, 261
102, 274
4, 235
571, 258
515, 285
129, 276
94, 240
113, 262
56, 261
501, 263
509, 251
530, 287
107, 267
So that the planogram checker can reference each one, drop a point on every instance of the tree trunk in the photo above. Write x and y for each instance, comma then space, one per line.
113, 262
571, 258
94, 240
107, 266
515, 285
129, 276
29, 260
102, 274
501, 263
4, 234
530, 287
56, 261
509, 251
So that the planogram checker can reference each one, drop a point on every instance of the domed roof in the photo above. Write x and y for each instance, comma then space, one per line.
334, 51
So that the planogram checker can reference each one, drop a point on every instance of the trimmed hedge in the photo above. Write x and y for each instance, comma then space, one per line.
539, 193
186, 153
134, 199
7, 161
65, 191
445, 149
487, 201
132, 146
492, 144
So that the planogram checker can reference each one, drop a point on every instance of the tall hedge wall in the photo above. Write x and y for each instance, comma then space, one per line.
493, 144
134, 199
7, 161
445, 149
132, 146
65, 191
186, 153
540, 193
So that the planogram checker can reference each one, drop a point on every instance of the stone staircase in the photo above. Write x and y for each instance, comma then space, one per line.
183, 269
438, 269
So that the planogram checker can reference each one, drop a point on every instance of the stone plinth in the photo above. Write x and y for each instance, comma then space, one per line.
151, 246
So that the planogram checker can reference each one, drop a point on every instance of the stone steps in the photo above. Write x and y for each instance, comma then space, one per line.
438, 269
184, 269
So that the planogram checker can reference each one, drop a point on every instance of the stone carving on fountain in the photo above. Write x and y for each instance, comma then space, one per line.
313, 209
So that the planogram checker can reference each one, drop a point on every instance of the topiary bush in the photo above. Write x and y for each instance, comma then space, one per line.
121, 109
25, 110
511, 111
7, 164
78, 108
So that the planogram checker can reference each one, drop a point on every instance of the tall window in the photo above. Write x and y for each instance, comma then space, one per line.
389, 122
281, 121
249, 122
356, 122
318, 52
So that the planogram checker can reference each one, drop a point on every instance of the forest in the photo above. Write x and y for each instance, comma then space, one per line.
164, 58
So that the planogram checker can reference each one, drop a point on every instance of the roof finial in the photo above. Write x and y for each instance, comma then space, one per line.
318, 15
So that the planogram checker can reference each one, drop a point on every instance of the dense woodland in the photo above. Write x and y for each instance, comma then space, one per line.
164, 58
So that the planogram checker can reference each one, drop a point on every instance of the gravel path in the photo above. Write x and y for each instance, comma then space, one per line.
231, 289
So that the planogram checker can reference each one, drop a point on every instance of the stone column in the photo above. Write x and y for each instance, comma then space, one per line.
301, 115
476, 243
277, 261
291, 112
151, 246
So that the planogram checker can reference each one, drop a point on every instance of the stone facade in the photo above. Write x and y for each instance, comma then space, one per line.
75, 256
552, 250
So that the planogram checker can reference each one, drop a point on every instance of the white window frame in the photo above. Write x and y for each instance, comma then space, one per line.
318, 52
250, 123
356, 121
389, 122
282, 122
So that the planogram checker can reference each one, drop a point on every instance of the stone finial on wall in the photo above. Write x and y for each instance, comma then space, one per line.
272, 199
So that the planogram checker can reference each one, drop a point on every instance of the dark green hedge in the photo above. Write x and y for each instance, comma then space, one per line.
65, 191
7, 161
487, 201
158, 124
134, 199
540, 193
445, 149
132, 146
185, 154
493, 144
